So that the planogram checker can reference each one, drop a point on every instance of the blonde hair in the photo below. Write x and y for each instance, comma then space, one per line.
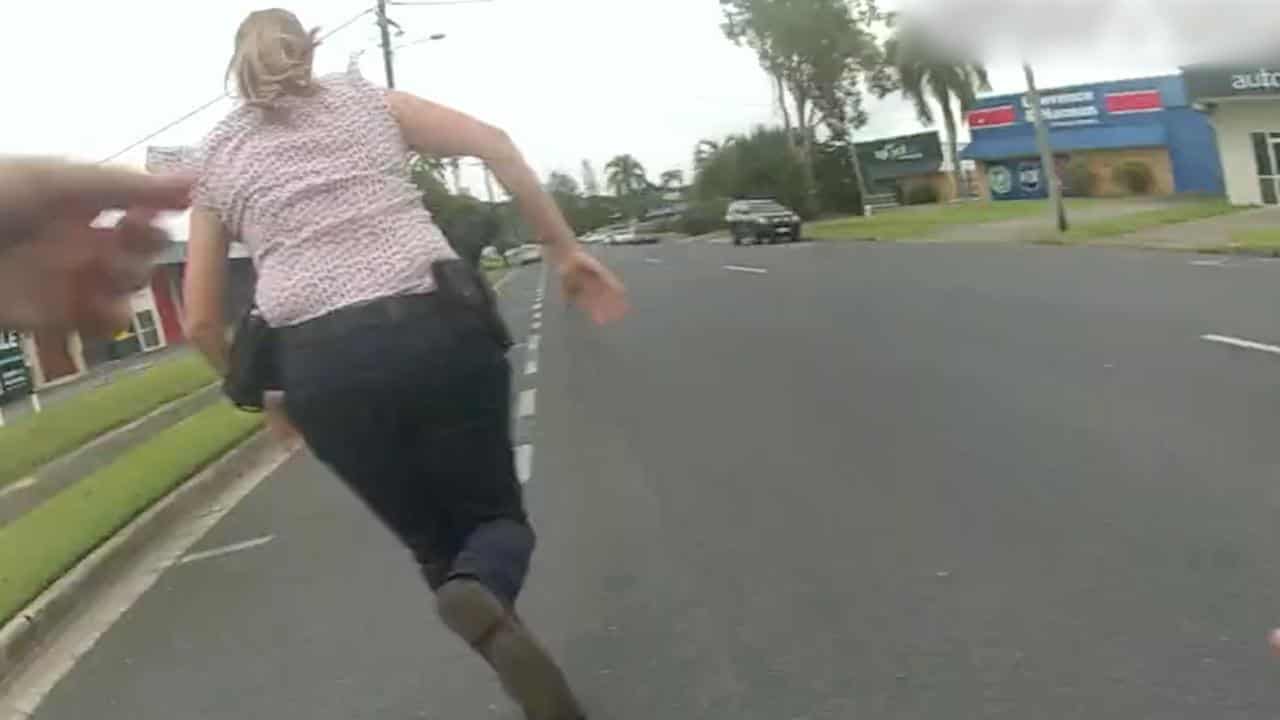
273, 57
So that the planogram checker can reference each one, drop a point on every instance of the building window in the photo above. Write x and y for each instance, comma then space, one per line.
1262, 154
147, 329
1266, 156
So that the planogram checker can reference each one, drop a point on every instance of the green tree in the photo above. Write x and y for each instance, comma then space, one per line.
761, 164
559, 183
626, 176
819, 54
672, 179
704, 150
468, 224
926, 72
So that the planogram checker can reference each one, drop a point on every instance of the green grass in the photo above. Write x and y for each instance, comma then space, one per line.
496, 274
923, 221
42, 545
1259, 241
1125, 224
36, 439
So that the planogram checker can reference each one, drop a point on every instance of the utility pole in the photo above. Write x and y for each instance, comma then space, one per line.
384, 27
1048, 168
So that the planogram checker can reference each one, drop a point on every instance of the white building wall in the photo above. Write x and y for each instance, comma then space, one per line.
1233, 121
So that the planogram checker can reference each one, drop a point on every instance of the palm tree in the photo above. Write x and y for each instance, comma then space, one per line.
672, 179
927, 73
625, 175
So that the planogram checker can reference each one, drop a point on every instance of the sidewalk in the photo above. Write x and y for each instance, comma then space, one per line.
1209, 234
21, 497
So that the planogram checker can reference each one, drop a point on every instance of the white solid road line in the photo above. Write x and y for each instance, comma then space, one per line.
745, 269
227, 549
524, 463
528, 404
28, 687
1241, 343
1209, 263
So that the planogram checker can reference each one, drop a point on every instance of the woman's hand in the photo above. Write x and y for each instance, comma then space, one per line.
57, 271
592, 286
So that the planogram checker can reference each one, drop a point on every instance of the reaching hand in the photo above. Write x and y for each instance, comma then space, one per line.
59, 272
591, 286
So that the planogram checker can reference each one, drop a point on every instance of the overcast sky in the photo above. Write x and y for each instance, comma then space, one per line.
569, 79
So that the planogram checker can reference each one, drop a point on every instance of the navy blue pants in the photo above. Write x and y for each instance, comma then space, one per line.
408, 401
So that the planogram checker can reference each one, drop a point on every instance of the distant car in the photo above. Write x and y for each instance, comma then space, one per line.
762, 221
524, 255
633, 235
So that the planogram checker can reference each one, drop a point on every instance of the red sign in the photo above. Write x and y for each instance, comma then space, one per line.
1139, 101
992, 117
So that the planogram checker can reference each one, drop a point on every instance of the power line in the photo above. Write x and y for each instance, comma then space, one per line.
169, 126
221, 96
425, 3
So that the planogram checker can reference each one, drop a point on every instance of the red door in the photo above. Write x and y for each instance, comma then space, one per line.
55, 355
170, 316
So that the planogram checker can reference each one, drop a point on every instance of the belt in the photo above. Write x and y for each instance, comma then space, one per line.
374, 313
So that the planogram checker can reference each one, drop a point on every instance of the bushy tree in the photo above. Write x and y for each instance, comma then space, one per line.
819, 54
761, 164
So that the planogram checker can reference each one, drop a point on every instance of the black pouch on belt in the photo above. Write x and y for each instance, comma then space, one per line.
252, 367
462, 285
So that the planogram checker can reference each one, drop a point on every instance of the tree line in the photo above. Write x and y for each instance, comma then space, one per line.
823, 57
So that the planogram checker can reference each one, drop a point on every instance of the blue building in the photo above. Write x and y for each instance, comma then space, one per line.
1104, 125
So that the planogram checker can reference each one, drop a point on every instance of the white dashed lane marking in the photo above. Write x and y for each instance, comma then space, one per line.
531, 366
534, 341
528, 405
745, 269
524, 463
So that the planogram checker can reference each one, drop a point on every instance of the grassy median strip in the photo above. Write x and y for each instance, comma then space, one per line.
41, 546
1127, 224
35, 440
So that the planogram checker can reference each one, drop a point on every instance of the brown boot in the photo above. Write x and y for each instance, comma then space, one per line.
527, 672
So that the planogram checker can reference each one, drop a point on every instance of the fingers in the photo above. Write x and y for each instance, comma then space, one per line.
137, 234
103, 188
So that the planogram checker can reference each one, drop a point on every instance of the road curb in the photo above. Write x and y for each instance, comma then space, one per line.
23, 636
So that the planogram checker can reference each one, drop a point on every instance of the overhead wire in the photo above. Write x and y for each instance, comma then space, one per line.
221, 96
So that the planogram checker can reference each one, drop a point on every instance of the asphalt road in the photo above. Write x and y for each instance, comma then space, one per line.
916, 482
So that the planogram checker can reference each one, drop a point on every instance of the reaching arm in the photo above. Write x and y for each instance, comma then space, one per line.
437, 130
204, 286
